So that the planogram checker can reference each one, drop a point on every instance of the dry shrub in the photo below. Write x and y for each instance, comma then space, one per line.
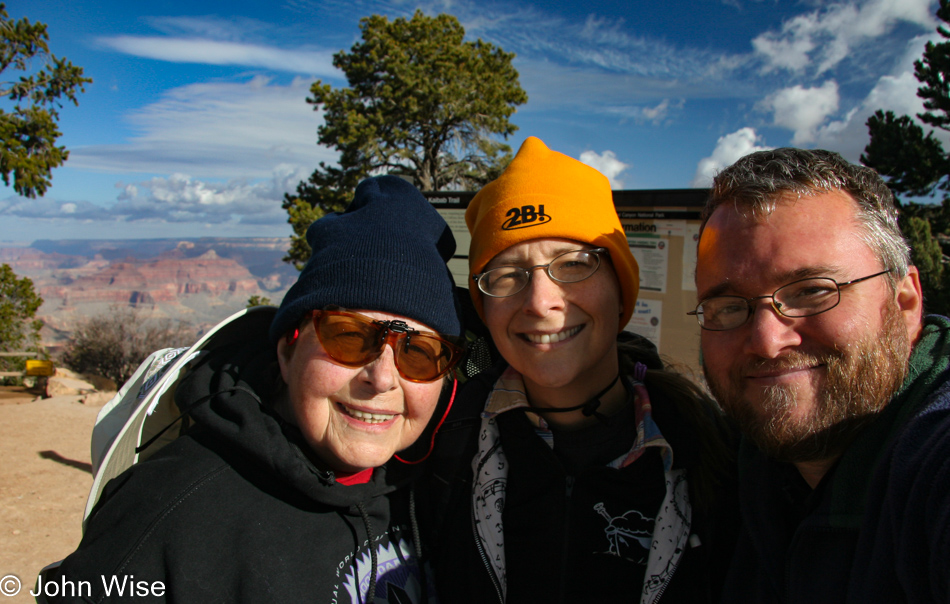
115, 343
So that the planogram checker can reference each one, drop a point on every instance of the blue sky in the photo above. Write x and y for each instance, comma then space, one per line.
196, 122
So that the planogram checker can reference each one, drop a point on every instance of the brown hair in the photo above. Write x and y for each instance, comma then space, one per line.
757, 181
674, 395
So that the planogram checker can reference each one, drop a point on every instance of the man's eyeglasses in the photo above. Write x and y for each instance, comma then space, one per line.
803, 298
569, 267
354, 340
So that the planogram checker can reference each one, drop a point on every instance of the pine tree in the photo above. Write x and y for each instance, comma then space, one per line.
422, 103
915, 164
28, 133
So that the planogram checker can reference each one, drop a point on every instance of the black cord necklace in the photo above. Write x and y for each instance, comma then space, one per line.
588, 409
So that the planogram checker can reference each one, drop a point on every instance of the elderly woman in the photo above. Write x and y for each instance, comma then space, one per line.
290, 487
579, 469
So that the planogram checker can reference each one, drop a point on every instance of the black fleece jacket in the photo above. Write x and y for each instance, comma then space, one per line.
462, 573
233, 511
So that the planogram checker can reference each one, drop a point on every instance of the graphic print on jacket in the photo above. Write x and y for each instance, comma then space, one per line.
629, 534
398, 577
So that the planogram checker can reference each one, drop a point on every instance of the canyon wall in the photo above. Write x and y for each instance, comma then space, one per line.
199, 281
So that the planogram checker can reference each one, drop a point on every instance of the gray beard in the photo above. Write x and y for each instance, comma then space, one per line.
859, 382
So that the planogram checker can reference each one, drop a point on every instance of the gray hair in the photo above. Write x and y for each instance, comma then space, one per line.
758, 180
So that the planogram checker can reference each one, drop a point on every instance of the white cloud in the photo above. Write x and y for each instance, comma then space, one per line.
849, 135
596, 58
658, 114
596, 41
802, 110
181, 198
827, 36
213, 52
216, 131
788, 50
607, 164
729, 148
895, 92
557, 86
178, 198
232, 150
44, 207
232, 28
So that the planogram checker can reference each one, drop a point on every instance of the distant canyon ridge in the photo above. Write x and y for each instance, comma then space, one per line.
198, 281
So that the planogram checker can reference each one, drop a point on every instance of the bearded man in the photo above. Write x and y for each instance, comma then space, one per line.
815, 344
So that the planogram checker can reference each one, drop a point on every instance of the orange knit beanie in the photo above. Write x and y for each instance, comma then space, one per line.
545, 194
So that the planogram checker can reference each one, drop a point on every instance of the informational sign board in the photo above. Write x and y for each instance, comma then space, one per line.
662, 228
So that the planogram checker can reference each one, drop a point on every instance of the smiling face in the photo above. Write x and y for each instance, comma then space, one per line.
561, 337
799, 387
354, 418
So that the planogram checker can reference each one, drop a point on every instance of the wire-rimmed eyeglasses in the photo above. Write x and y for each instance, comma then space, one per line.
569, 267
802, 298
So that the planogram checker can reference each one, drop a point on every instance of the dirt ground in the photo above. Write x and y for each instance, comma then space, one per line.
45, 476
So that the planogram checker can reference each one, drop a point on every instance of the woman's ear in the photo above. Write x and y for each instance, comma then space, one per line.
285, 353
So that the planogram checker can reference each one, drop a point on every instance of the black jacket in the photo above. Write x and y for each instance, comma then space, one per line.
877, 528
233, 511
463, 573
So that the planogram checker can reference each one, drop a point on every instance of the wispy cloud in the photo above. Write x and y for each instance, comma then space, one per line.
601, 61
216, 130
596, 42
728, 149
558, 87
214, 52
232, 28
660, 112
45, 207
225, 154
176, 199
825, 37
550, 43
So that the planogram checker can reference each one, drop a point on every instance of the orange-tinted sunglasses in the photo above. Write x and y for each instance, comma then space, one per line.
354, 340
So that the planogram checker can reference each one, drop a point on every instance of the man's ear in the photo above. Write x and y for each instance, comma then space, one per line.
910, 300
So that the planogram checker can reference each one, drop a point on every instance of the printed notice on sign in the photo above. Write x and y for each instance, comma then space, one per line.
646, 320
690, 242
653, 257
456, 221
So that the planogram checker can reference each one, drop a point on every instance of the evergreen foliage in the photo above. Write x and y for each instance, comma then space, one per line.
915, 165
257, 300
422, 103
928, 258
28, 133
19, 330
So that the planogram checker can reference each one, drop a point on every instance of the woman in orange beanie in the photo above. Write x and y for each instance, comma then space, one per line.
579, 469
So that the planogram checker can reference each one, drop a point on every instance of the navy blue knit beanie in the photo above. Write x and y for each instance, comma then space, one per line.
386, 252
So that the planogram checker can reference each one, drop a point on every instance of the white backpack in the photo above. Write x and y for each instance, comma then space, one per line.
143, 417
